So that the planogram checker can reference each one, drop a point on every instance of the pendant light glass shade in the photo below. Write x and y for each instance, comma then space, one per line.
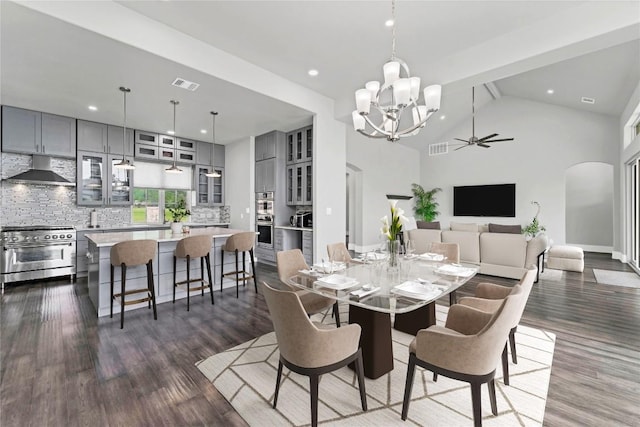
124, 163
214, 173
174, 168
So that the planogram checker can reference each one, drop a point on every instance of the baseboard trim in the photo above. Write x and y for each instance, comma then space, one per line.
594, 248
619, 256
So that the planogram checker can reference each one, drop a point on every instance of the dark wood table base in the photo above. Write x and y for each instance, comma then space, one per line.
375, 340
415, 320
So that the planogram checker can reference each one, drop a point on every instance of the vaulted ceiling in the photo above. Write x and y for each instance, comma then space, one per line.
524, 47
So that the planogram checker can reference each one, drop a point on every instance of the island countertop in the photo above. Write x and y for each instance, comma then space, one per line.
110, 239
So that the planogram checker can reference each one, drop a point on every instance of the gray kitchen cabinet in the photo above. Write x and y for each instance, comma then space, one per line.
203, 153
299, 180
99, 183
217, 188
300, 145
103, 138
143, 151
33, 132
209, 191
186, 157
265, 175
147, 138
166, 141
307, 246
218, 155
266, 145
185, 144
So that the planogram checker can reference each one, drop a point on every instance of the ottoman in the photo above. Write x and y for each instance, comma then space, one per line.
568, 258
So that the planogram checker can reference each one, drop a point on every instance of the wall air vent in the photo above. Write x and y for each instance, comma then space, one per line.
185, 84
588, 100
439, 148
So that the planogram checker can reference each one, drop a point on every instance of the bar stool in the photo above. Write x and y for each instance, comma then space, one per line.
130, 254
189, 248
240, 242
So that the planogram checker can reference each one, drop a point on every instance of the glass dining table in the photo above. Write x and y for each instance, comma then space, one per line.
375, 292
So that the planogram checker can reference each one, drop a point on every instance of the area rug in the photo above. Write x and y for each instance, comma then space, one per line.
617, 278
245, 375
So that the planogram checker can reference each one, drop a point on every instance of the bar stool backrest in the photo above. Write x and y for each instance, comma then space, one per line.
240, 242
133, 252
194, 246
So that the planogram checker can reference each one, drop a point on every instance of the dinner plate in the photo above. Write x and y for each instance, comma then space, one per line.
328, 268
454, 270
427, 256
417, 290
337, 282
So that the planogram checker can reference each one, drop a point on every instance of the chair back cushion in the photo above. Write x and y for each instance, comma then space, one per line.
194, 246
289, 263
133, 252
451, 251
240, 242
421, 239
338, 252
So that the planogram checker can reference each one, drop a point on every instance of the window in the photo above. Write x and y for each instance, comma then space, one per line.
637, 128
150, 204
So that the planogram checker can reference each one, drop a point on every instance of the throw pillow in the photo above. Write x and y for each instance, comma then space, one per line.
499, 228
460, 226
433, 225
409, 223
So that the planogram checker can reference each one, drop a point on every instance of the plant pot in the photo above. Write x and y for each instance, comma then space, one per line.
393, 249
176, 227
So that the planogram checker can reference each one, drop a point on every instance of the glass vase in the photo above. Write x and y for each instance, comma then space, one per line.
393, 250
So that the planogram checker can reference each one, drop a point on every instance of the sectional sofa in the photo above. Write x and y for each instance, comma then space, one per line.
497, 253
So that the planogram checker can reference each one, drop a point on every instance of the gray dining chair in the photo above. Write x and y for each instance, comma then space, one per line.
308, 348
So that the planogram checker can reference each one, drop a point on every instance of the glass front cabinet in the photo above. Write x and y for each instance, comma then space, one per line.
100, 183
299, 179
209, 191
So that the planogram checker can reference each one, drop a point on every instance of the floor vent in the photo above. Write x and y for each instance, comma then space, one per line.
588, 100
439, 148
185, 84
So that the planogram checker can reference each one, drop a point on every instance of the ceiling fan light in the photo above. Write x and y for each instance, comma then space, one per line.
391, 71
402, 91
358, 120
363, 101
432, 96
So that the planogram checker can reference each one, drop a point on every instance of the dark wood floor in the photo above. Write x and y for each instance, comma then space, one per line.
62, 366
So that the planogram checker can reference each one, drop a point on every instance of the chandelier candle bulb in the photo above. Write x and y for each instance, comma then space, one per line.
373, 87
363, 101
358, 121
402, 92
391, 72
432, 96
415, 88
419, 114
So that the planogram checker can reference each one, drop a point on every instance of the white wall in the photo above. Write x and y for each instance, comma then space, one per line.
385, 168
548, 140
239, 181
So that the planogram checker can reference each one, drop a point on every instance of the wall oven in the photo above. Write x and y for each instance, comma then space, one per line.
264, 204
265, 228
37, 252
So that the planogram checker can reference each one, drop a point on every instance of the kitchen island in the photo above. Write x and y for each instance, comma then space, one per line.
99, 265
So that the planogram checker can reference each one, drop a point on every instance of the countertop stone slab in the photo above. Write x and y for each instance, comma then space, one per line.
110, 239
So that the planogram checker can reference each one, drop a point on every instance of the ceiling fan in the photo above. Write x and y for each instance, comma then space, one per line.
474, 140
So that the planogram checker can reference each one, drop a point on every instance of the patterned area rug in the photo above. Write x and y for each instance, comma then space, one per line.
245, 375
617, 278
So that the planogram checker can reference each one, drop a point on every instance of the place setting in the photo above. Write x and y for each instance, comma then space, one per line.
420, 289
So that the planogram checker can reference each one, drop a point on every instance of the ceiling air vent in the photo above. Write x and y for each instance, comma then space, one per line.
185, 84
439, 148
588, 100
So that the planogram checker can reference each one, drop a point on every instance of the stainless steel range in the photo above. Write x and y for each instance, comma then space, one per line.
37, 252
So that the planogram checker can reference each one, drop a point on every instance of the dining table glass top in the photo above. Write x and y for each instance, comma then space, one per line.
416, 282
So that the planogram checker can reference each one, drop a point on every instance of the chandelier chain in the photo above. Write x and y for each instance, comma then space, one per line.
393, 30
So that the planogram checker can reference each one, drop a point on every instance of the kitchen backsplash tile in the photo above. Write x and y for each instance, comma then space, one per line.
42, 204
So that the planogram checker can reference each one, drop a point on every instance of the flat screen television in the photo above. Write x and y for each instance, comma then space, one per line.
485, 200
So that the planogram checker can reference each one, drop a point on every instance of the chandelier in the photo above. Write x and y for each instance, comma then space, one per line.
214, 173
124, 163
399, 93
174, 168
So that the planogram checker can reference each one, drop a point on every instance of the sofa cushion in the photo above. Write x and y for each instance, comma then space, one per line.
500, 228
468, 241
424, 225
503, 249
421, 239
461, 226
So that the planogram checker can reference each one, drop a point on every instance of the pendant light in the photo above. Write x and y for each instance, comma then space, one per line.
214, 173
174, 168
124, 163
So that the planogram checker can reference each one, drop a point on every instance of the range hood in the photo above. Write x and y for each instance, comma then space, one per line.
40, 174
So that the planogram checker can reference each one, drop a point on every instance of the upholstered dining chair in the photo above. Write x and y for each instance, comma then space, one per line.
489, 296
451, 253
338, 253
309, 349
467, 349
289, 263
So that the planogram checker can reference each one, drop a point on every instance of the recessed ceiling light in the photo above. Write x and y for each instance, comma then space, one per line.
170, 132
93, 108
313, 72
442, 117
550, 91
203, 131
388, 23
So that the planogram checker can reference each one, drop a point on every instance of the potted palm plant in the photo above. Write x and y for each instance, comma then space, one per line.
178, 213
425, 206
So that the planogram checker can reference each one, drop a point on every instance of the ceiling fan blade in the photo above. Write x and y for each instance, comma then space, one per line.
466, 145
488, 137
463, 140
481, 144
498, 140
